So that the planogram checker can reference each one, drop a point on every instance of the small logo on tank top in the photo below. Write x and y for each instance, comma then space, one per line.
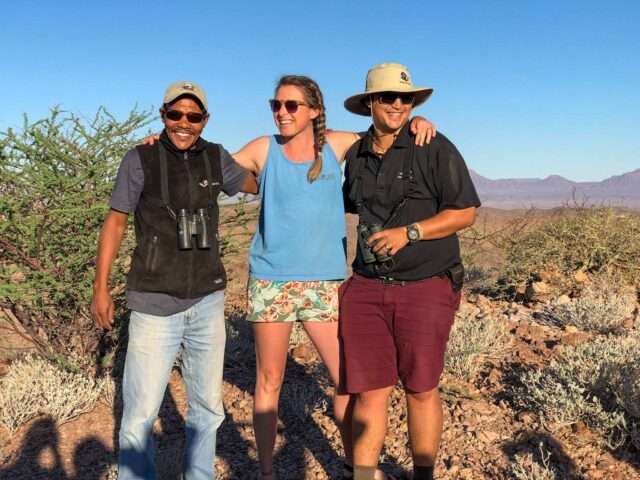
327, 176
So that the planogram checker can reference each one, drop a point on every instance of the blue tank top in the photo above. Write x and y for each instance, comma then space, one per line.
301, 232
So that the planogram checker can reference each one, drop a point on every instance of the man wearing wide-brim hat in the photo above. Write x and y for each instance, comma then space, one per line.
398, 307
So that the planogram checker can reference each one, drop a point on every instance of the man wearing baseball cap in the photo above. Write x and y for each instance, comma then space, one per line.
398, 307
175, 287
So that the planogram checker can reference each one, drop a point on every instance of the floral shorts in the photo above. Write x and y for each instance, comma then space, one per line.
280, 301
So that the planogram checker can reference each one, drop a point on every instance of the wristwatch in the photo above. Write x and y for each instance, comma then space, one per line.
414, 233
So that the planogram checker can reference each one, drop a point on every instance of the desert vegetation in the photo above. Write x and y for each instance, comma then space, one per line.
542, 374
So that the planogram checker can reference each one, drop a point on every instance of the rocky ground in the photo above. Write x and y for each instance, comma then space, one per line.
485, 435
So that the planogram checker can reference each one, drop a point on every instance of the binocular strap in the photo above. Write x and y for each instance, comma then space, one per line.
164, 180
406, 175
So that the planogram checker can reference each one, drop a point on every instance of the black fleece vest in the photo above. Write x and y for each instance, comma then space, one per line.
158, 265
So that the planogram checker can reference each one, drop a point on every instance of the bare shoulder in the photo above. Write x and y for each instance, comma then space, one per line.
253, 154
257, 143
341, 142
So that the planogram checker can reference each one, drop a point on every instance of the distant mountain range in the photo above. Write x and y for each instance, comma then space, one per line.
619, 190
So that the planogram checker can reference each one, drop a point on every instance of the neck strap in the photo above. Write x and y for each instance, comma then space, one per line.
164, 179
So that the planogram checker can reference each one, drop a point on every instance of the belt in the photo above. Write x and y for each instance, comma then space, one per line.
402, 283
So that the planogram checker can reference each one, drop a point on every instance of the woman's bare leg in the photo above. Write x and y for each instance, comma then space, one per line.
325, 338
272, 342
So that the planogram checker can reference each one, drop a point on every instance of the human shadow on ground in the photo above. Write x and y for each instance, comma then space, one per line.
304, 391
39, 456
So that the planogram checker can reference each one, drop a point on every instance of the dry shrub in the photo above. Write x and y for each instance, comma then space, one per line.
477, 279
603, 307
528, 467
33, 386
582, 385
301, 401
109, 391
588, 239
471, 340
626, 388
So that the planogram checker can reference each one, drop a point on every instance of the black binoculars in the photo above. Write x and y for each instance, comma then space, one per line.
364, 232
193, 225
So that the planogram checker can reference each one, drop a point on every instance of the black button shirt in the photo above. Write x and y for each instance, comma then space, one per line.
437, 180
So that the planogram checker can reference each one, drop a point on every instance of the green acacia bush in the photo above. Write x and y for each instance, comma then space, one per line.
57, 174
580, 238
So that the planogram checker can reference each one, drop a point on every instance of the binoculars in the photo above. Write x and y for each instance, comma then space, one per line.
193, 225
364, 232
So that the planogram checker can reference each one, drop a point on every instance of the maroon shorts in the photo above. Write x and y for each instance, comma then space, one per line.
391, 331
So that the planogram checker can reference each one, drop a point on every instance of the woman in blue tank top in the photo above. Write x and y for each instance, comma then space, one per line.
297, 257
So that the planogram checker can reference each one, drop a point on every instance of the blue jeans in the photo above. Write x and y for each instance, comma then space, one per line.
153, 344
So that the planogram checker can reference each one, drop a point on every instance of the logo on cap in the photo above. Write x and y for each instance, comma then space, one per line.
188, 86
404, 76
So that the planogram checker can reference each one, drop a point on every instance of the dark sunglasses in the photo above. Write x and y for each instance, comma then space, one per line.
192, 117
290, 105
389, 98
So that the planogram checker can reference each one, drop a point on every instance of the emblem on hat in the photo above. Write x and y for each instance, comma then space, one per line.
386, 77
188, 86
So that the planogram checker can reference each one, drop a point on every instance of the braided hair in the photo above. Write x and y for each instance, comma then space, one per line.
313, 96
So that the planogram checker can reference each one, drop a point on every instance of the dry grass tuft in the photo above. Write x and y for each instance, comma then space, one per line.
603, 307
527, 467
33, 386
585, 385
472, 340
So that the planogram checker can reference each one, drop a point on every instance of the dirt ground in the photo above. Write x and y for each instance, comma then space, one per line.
483, 431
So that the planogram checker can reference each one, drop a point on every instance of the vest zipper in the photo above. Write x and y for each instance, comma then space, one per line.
192, 251
151, 257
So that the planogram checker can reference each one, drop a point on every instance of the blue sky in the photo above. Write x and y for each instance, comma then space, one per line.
524, 89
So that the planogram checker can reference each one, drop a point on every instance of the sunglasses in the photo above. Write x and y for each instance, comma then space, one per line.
389, 98
192, 117
290, 105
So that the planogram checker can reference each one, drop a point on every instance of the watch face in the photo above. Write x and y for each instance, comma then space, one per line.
412, 233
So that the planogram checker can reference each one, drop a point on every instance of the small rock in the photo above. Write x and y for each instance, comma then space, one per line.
580, 277
563, 299
525, 417
606, 464
571, 329
487, 437
466, 473
538, 288
17, 277
301, 351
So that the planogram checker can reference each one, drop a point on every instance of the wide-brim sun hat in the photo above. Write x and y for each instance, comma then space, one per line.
387, 77
182, 88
